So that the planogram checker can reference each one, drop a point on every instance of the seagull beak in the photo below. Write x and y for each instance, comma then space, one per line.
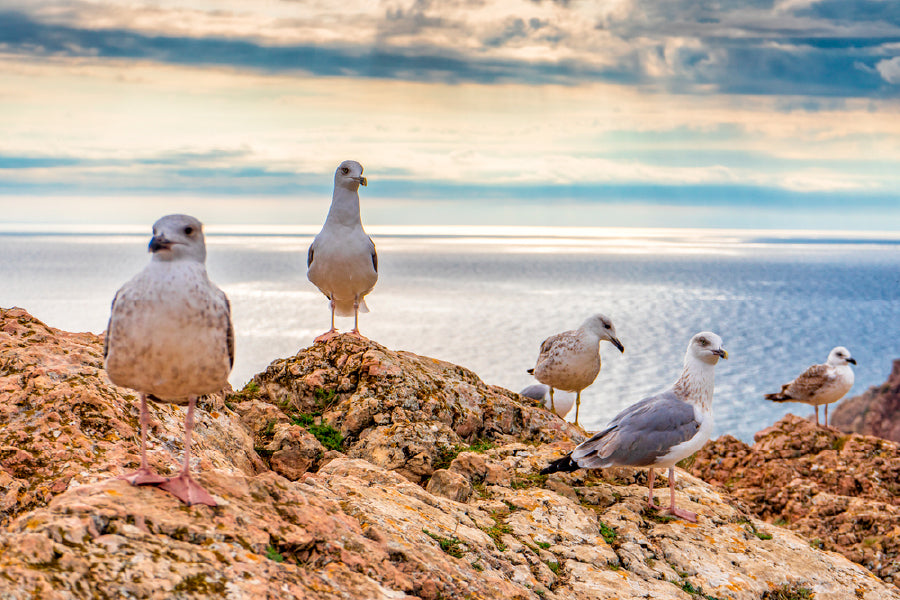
363, 181
615, 342
852, 361
721, 352
159, 242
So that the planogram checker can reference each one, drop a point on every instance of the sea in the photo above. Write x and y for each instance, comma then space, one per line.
485, 298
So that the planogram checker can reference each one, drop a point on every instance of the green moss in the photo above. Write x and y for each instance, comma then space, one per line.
481, 445
528, 481
198, 583
274, 555
478, 566
543, 545
324, 398
554, 566
497, 531
451, 546
789, 591
327, 435
608, 533
445, 456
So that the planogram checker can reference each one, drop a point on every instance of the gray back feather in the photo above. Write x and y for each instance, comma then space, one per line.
641, 434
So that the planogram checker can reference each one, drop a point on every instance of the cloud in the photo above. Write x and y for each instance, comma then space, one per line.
889, 70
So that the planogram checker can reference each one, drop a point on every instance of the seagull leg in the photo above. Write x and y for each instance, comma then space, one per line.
826, 415
355, 331
552, 405
183, 486
144, 475
331, 332
817, 415
673, 510
650, 501
577, 405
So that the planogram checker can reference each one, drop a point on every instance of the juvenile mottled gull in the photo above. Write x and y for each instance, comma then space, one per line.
570, 360
170, 338
661, 430
562, 404
342, 261
820, 384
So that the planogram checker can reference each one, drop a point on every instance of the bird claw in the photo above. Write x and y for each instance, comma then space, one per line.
186, 489
144, 476
684, 514
355, 333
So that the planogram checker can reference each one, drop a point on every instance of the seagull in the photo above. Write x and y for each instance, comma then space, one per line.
342, 261
171, 339
570, 360
539, 391
820, 384
661, 430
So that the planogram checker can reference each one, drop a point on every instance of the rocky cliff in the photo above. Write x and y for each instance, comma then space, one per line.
352, 471
839, 491
875, 412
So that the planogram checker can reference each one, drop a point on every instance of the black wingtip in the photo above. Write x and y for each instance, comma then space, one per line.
530, 371
778, 397
564, 464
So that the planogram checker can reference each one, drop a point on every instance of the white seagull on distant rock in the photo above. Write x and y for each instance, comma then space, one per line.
661, 430
170, 338
570, 360
563, 403
820, 384
342, 261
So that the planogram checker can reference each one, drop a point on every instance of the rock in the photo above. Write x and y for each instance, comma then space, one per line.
395, 409
837, 490
359, 526
449, 485
64, 424
875, 412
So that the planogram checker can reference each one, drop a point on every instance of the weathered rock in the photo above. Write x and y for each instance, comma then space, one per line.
840, 491
875, 412
357, 529
449, 485
394, 409
63, 423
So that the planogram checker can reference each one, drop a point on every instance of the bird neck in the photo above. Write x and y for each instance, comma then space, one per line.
344, 208
696, 383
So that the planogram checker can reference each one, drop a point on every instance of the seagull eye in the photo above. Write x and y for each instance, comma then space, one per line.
188, 230
703, 342
345, 170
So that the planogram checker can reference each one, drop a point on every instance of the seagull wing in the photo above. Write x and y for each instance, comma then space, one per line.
374, 256
229, 335
309, 256
112, 311
641, 434
810, 381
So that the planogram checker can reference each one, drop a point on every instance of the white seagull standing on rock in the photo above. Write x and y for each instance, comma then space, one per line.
170, 338
820, 384
342, 261
570, 360
661, 430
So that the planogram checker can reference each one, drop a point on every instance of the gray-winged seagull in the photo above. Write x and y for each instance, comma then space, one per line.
570, 360
563, 403
342, 261
661, 430
820, 384
170, 338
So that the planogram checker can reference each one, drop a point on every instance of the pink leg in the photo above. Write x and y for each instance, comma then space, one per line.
331, 332
184, 487
817, 416
650, 501
673, 510
144, 475
355, 330
826, 415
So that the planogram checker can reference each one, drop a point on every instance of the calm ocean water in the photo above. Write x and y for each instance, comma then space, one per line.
486, 299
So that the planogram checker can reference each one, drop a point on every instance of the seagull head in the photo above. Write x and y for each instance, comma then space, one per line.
178, 237
349, 175
603, 327
840, 356
706, 347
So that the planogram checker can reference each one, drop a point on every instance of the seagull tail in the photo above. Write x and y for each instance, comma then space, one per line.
781, 396
564, 464
530, 371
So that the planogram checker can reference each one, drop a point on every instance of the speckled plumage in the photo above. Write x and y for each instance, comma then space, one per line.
820, 384
570, 360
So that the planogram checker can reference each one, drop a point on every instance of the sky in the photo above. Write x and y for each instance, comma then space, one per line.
689, 113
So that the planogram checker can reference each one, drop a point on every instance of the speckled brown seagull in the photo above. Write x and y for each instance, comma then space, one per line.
820, 384
570, 360
170, 338
661, 430
342, 261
